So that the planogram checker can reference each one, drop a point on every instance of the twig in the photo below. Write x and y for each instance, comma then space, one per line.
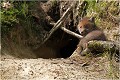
71, 33
58, 24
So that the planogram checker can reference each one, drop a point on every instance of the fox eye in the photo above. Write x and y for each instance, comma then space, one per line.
80, 26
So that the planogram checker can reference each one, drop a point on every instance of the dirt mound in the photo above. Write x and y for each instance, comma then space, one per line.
55, 69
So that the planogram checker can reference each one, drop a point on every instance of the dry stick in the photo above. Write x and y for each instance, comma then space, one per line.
72, 33
58, 24
68, 31
62, 18
50, 33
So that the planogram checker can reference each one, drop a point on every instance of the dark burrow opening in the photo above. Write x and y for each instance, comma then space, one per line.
53, 48
67, 50
59, 45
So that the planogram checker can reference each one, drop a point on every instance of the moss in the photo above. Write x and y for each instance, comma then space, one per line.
19, 25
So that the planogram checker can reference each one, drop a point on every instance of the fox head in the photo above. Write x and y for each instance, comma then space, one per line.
86, 25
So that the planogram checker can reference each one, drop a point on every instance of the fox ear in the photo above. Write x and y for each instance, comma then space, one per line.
92, 19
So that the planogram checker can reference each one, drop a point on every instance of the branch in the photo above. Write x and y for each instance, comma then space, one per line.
68, 31
58, 24
71, 33
101, 47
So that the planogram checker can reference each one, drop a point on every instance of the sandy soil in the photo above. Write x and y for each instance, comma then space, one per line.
53, 69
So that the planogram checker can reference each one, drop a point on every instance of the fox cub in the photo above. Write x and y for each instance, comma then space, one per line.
89, 31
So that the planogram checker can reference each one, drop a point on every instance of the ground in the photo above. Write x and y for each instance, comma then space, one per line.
72, 68
54, 69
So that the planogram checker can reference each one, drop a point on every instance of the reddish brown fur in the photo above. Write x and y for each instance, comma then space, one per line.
90, 31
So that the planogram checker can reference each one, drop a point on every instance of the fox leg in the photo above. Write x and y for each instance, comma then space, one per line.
82, 47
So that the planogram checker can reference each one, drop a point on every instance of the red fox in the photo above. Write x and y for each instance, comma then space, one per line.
89, 31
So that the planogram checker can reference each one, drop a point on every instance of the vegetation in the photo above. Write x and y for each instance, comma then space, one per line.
20, 13
18, 22
24, 23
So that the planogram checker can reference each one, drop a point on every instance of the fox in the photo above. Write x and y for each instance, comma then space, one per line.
88, 29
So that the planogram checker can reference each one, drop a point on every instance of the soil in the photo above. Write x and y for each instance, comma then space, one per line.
73, 68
